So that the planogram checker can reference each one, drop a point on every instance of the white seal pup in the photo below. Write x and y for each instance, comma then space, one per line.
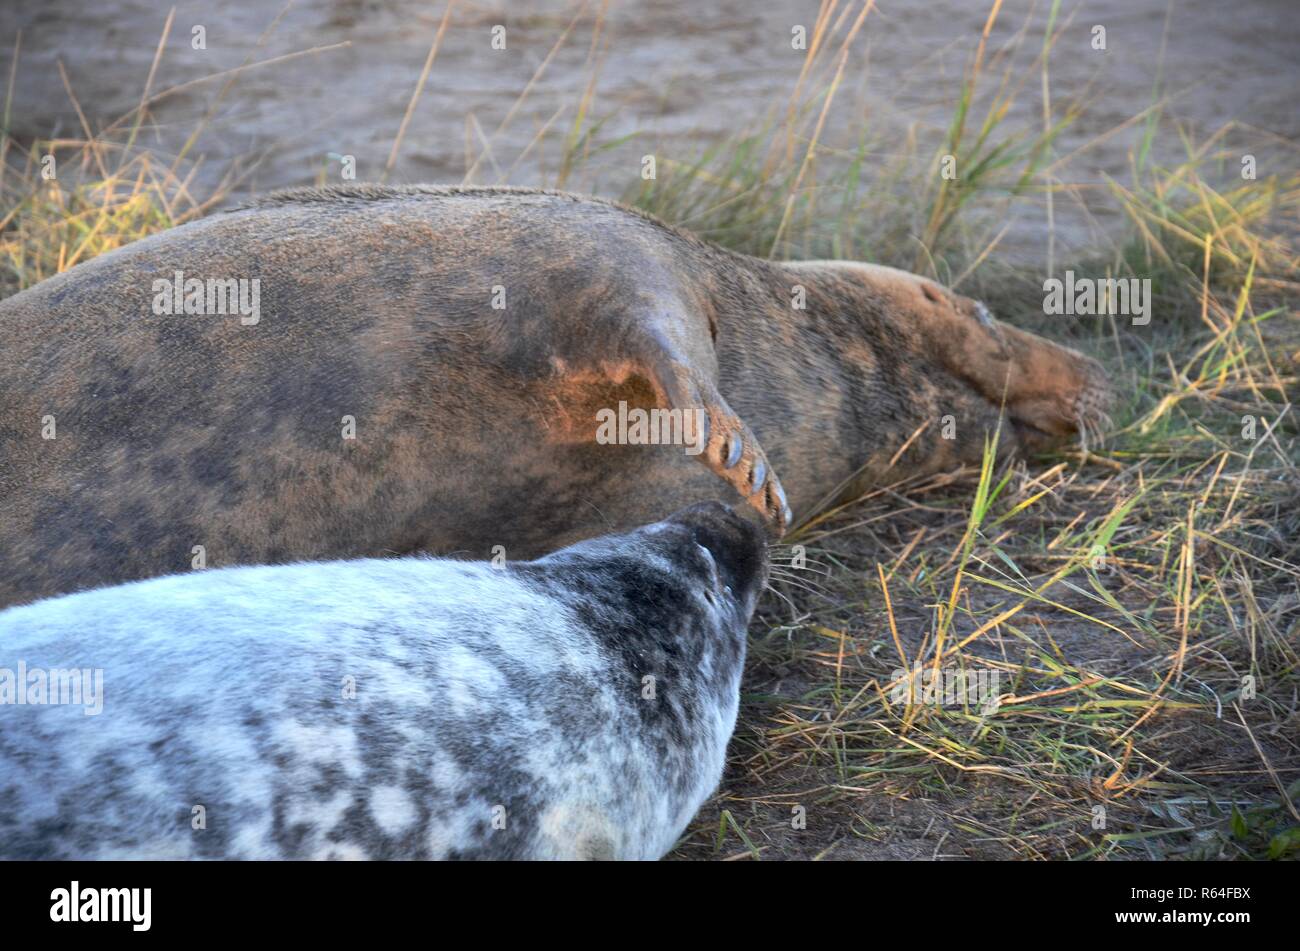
576, 706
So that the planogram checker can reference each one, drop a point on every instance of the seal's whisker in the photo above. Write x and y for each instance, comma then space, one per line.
797, 574
778, 558
794, 610
803, 586
803, 572
816, 592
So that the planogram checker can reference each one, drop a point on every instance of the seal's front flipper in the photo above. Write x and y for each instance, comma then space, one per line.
730, 448
663, 361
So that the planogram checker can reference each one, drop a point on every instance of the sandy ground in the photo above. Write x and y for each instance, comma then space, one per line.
675, 74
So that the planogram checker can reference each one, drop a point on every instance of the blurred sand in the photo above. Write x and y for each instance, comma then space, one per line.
679, 74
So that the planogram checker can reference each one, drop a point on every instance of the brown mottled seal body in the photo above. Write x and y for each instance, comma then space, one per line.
474, 423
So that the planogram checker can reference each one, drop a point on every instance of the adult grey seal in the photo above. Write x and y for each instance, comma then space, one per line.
576, 706
362, 370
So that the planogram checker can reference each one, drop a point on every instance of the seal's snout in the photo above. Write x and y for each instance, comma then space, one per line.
1093, 403
736, 545
1069, 394
1051, 392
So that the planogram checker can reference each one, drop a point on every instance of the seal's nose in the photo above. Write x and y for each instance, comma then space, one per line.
738, 545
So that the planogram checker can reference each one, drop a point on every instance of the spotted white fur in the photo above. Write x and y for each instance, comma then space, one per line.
402, 708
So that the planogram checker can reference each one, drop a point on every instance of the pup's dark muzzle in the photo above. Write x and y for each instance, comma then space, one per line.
738, 544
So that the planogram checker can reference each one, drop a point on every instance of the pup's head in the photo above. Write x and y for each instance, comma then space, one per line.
723, 551
707, 550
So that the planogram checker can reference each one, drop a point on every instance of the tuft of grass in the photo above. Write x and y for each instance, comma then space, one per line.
66, 200
47, 228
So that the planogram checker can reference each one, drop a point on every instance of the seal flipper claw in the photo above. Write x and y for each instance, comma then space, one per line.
735, 448
778, 502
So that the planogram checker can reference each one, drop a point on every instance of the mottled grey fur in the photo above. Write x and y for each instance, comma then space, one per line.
394, 708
